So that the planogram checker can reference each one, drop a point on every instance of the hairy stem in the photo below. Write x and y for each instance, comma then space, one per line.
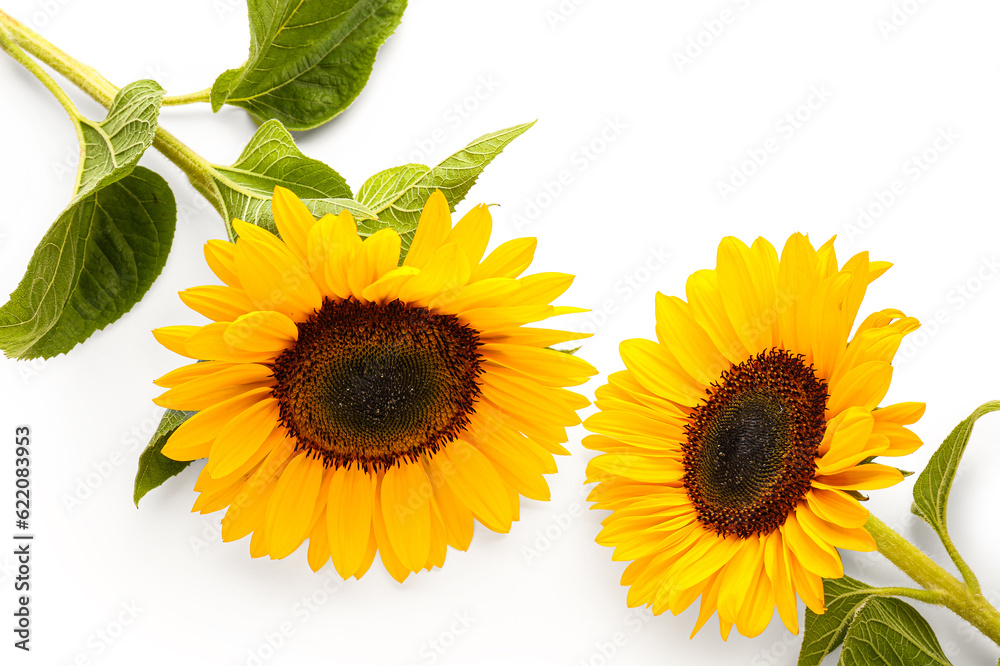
963, 568
952, 593
12, 48
191, 98
90, 81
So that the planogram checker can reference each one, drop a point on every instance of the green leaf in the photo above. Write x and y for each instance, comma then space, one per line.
931, 489
890, 632
309, 59
570, 352
244, 190
111, 149
154, 467
397, 195
104, 251
824, 633
93, 264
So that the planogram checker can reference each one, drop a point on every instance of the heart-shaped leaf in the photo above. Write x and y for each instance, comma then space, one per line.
93, 264
244, 190
890, 632
109, 150
104, 251
309, 59
824, 633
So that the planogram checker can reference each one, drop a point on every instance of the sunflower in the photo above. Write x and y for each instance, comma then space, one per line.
364, 404
734, 447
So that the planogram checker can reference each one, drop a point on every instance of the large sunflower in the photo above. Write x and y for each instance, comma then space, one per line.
367, 405
734, 446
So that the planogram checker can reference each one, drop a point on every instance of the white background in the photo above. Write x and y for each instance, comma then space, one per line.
662, 134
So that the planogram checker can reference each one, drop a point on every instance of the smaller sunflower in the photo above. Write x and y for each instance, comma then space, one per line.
733, 447
367, 404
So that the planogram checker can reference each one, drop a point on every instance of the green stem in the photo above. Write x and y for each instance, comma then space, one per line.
8, 44
963, 568
191, 98
926, 596
90, 81
952, 593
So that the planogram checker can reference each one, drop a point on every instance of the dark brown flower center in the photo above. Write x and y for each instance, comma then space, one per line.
751, 447
371, 384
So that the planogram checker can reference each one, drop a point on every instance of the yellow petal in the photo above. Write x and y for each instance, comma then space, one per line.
379, 254
758, 607
473, 479
387, 287
647, 469
369, 557
508, 260
531, 336
432, 230
333, 243
827, 257
278, 440
243, 436
825, 327
439, 543
193, 439
548, 366
808, 586
864, 386
221, 258
871, 476
902, 441
878, 344
405, 507
439, 280
273, 277
319, 544
485, 293
217, 302
210, 343
863, 273
349, 518
777, 570
517, 470
175, 338
653, 367
248, 511
709, 311
187, 373
386, 552
709, 602
701, 561
290, 509
262, 331
472, 233
738, 575
541, 288
493, 318
797, 279
851, 538
293, 221
845, 442
204, 391
903, 413
677, 330
745, 291
837, 507
813, 553
456, 517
